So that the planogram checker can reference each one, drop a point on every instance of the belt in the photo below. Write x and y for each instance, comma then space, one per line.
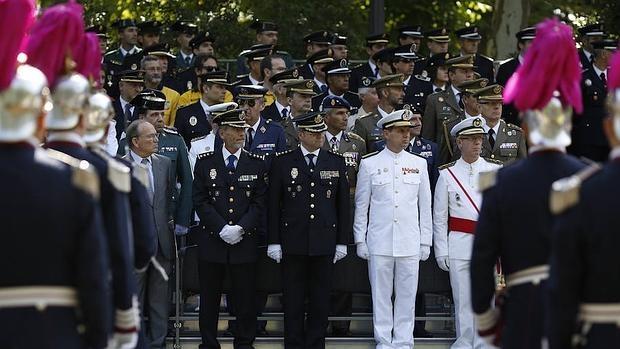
600, 313
39, 297
533, 275
461, 225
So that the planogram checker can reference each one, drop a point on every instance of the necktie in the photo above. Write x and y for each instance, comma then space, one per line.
187, 61
376, 71
127, 114
284, 113
250, 139
230, 165
460, 98
491, 139
438, 89
147, 163
311, 161
323, 88
334, 143
603, 78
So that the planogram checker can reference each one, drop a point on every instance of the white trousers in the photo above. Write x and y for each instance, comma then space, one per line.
466, 331
393, 323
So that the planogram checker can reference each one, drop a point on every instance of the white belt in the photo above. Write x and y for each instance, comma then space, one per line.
39, 297
600, 313
533, 275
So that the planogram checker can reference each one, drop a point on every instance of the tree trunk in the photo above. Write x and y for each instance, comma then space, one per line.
509, 16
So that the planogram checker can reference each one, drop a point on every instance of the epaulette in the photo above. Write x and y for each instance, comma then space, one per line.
365, 115
182, 70
370, 154
418, 155
487, 180
198, 138
83, 175
514, 127
204, 155
357, 66
284, 152
445, 166
565, 191
485, 57
355, 136
494, 161
170, 129
254, 156
423, 78
141, 173
111, 52
282, 52
335, 152
118, 174
242, 76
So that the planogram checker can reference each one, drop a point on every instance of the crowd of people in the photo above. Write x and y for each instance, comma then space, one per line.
114, 159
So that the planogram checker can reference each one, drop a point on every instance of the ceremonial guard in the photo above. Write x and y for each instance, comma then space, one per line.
229, 196
55, 256
299, 95
308, 229
585, 276
393, 229
515, 220
455, 214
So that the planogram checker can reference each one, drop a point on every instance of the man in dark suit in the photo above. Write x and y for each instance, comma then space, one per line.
589, 34
374, 44
130, 84
314, 42
153, 282
588, 138
193, 121
229, 190
308, 229
524, 39
469, 38
279, 109
337, 77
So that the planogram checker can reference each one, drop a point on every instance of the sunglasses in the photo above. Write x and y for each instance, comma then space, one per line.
209, 68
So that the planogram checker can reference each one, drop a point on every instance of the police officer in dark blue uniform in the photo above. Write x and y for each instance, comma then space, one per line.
417, 87
337, 76
279, 109
114, 61
469, 38
589, 34
308, 229
229, 193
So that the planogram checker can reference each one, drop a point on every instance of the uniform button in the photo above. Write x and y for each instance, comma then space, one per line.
311, 205
312, 184
232, 188
231, 210
396, 191
231, 200
333, 225
395, 220
230, 222
311, 216
396, 177
285, 224
492, 156
311, 195
396, 206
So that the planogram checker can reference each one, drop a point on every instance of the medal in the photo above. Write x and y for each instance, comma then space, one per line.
299, 188
329, 193
213, 173
294, 172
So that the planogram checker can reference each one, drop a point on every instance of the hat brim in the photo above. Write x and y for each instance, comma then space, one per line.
397, 123
303, 91
313, 128
491, 99
236, 124
440, 39
470, 132
475, 37
138, 81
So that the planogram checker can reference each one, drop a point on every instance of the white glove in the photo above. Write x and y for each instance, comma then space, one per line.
275, 252
125, 340
443, 263
425, 251
126, 326
362, 250
341, 252
230, 235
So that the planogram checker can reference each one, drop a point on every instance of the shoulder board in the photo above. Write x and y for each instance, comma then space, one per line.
493, 161
365, 115
242, 76
182, 70
357, 66
284, 152
141, 173
172, 130
370, 154
335, 152
355, 136
253, 155
486, 57
418, 155
514, 127
204, 155
352, 93
83, 175
282, 52
118, 174
423, 78
487, 180
198, 138
445, 166
565, 191
111, 52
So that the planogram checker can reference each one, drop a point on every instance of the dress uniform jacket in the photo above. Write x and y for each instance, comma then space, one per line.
586, 63
440, 106
192, 122
392, 188
426, 149
114, 179
308, 211
223, 199
290, 133
587, 133
484, 67
366, 127
504, 72
351, 97
121, 120
417, 90
182, 64
114, 63
53, 239
185, 80
509, 144
352, 147
357, 74
306, 72
584, 264
514, 225
268, 139
271, 113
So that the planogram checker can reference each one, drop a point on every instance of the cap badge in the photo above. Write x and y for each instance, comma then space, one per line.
412, 48
365, 81
477, 122
134, 66
406, 115
483, 83
333, 102
343, 63
242, 115
497, 89
309, 84
443, 31
295, 73
318, 119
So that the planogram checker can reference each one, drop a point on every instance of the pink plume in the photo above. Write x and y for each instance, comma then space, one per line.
550, 64
56, 36
613, 73
16, 17
88, 58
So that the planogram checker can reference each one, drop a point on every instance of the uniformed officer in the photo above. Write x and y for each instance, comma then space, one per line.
352, 147
446, 105
390, 91
153, 79
587, 133
229, 197
337, 75
374, 44
393, 229
584, 283
54, 252
299, 95
508, 67
515, 220
149, 33
202, 43
114, 61
504, 142
279, 109
270, 66
589, 34
253, 57
370, 102
308, 229
437, 42
417, 87
314, 42
184, 32
168, 83
193, 120
263, 137
317, 61
383, 60
131, 82
170, 144
469, 39
266, 33
455, 213
210, 142
101, 32
188, 81
339, 46
410, 34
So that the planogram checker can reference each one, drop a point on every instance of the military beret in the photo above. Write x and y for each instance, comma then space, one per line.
469, 126
469, 33
330, 102
313, 121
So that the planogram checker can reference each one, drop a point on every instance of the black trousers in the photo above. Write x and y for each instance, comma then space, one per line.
524, 317
243, 279
311, 277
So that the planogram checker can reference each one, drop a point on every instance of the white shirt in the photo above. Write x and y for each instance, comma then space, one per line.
130, 52
184, 56
406, 81
451, 201
473, 116
253, 81
393, 204
111, 144
382, 112
305, 152
319, 84
226, 154
329, 137
495, 129
199, 146
614, 153
124, 103
588, 54
598, 72
138, 159
205, 107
